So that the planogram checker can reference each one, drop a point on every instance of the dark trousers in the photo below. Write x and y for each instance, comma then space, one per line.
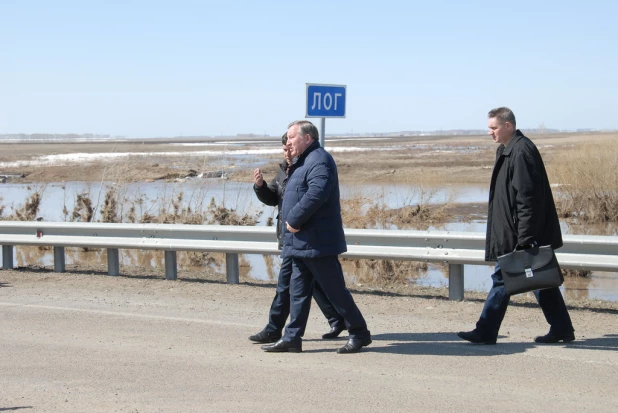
280, 307
327, 272
550, 300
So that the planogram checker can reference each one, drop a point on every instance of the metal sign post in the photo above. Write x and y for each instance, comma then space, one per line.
325, 101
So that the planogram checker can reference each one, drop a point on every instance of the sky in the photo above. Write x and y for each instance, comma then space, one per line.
222, 68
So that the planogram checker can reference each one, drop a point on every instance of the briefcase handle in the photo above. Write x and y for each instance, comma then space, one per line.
519, 247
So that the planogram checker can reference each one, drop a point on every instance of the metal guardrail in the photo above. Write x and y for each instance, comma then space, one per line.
455, 249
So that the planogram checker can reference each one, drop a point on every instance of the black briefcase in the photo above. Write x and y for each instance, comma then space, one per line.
531, 269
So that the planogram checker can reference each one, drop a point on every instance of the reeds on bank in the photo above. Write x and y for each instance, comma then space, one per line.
587, 183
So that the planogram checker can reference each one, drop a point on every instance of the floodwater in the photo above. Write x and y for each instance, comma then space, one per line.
58, 201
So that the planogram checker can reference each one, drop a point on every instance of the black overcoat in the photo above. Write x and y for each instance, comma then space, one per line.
521, 206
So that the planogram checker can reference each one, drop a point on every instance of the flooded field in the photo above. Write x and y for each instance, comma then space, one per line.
159, 176
59, 198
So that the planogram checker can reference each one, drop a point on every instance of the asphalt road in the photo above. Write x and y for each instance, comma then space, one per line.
92, 343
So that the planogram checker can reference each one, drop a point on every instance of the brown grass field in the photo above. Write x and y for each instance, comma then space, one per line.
457, 160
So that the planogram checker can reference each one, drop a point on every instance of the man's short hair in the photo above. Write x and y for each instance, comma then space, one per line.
306, 127
503, 114
284, 139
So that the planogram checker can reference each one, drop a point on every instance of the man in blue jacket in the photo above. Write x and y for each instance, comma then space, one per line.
272, 194
521, 214
313, 237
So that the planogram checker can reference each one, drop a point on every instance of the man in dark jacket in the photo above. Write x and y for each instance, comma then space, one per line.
521, 214
272, 194
313, 237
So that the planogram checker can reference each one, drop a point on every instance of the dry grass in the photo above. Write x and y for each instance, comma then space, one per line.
588, 183
418, 210
120, 203
28, 211
109, 212
219, 214
461, 159
174, 210
576, 273
83, 210
384, 273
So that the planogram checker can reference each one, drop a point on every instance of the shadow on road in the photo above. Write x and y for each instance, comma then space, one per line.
448, 344
608, 342
440, 344
433, 337
434, 344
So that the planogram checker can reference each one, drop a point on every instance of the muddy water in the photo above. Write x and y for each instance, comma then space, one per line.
239, 196
235, 195
147, 196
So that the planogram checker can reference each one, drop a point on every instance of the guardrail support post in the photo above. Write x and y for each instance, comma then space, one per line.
171, 269
456, 282
59, 259
231, 268
113, 262
7, 257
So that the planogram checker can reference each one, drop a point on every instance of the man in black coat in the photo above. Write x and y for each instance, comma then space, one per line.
521, 214
313, 238
272, 194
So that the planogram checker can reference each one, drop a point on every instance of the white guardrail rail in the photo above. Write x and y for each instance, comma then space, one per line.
595, 253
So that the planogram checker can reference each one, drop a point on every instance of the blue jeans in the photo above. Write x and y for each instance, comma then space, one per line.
550, 300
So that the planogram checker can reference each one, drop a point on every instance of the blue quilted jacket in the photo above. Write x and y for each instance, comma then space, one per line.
311, 204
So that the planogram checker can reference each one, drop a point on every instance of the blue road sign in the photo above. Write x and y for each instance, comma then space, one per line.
325, 101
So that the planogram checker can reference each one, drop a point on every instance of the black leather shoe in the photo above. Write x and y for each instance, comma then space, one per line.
333, 333
283, 347
354, 345
265, 337
474, 337
551, 338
